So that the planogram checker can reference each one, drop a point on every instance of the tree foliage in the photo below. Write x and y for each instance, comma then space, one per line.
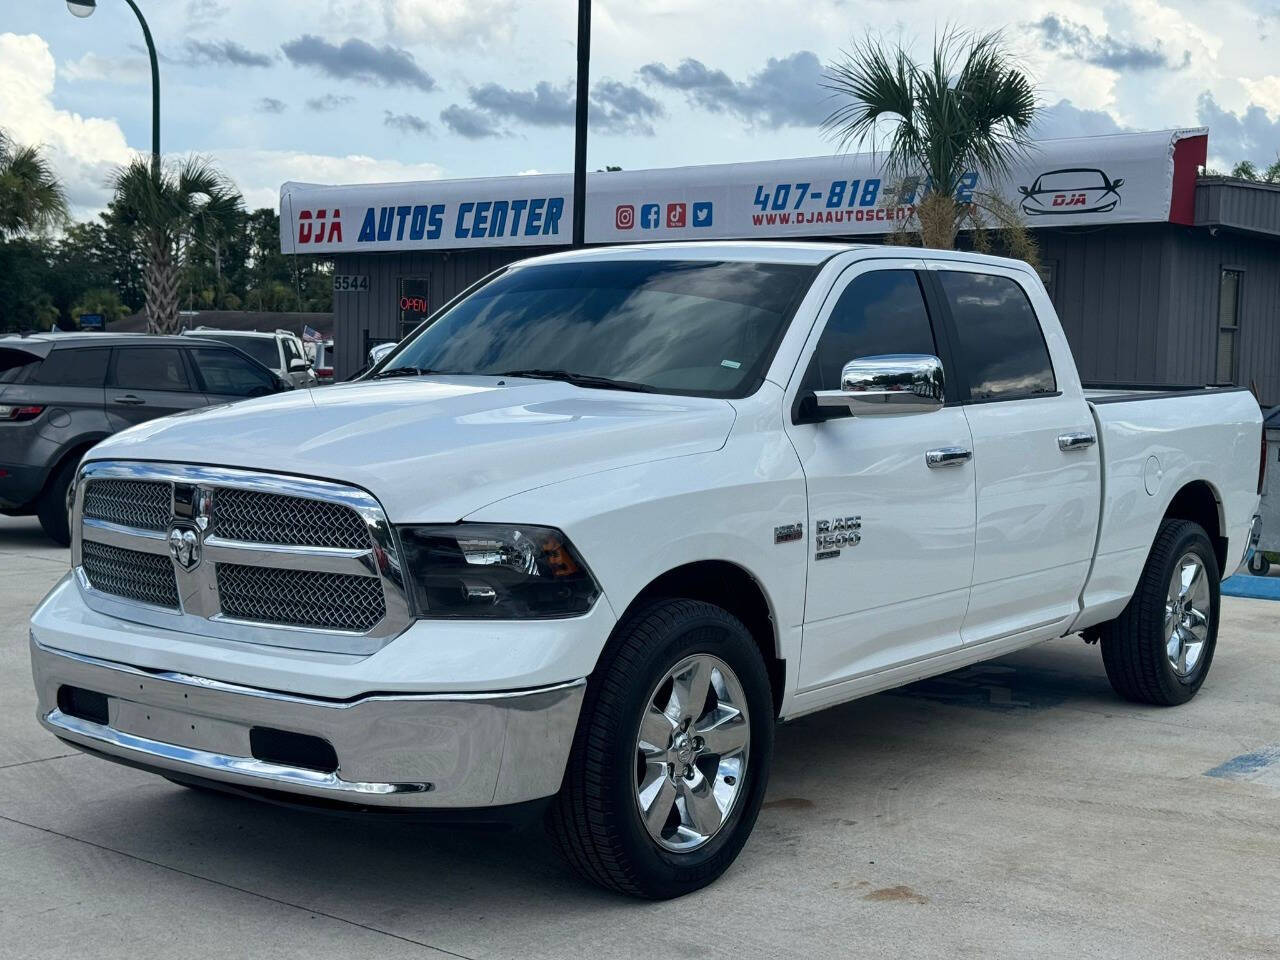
101, 254
1248, 170
969, 108
31, 198
168, 210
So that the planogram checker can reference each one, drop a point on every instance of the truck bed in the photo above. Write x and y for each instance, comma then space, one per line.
1150, 452
1129, 392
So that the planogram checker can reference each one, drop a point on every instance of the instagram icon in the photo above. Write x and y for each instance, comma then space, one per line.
624, 217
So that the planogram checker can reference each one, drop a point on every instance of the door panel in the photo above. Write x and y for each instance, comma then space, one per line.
901, 592
1038, 504
146, 382
898, 588
1037, 514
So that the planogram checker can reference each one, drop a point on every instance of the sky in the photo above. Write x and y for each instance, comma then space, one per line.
343, 91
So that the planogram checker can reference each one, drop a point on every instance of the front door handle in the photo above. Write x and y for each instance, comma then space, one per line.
131, 400
947, 457
1075, 441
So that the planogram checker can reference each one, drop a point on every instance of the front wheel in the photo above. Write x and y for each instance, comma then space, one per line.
671, 757
51, 508
1160, 647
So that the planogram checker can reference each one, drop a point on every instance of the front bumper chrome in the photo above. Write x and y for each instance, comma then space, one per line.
406, 750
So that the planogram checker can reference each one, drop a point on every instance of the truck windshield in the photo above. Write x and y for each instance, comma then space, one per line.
700, 328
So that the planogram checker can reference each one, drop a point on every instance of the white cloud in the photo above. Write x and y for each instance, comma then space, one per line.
83, 150
95, 68
1265, 92
259, 173
450, 23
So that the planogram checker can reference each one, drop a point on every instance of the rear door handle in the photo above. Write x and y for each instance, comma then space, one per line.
1075, 441
947, 457
131, 400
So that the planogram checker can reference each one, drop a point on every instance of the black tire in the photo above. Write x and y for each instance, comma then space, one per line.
595, 820
1259, 564
1134, 644
51, 508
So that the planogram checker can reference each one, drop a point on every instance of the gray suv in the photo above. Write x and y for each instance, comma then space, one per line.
62, 393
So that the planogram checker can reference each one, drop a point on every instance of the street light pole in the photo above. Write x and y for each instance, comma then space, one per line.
580, 125
85, 8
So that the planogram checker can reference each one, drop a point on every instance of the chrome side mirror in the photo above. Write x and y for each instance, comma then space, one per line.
887, 385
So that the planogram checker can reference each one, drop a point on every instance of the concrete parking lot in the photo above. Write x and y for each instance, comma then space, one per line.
1016, 809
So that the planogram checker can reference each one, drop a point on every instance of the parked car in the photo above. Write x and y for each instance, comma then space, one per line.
377, 353
657, 498
280, 352
320, 353
62, 393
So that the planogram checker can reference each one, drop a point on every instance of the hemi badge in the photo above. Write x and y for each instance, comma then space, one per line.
788, 533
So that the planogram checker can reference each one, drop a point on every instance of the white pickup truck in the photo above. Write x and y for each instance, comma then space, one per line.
605, 518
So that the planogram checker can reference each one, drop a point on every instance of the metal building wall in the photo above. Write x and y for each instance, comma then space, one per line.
1110, 287
1198, 260
1239, 204
376, 313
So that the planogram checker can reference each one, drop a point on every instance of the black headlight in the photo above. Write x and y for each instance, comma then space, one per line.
470, 570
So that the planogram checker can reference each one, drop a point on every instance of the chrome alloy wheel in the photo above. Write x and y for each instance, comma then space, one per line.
1186, 615
691, 753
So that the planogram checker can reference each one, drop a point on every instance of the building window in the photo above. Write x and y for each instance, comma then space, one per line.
414, 303
1229, 325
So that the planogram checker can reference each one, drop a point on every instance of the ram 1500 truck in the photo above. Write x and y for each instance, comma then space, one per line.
602, 520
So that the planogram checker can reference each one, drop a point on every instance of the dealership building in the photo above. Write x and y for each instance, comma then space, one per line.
1160, 275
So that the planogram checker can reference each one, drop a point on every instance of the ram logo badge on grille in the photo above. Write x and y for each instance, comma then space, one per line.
184, 546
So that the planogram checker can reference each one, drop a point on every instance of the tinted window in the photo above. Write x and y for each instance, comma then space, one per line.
230, 375
290, 350
14, 365
879, 312
262, 349
1000, 343
149, 368
69, 367
707, 328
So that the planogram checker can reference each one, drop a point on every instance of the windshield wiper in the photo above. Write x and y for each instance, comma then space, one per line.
403, 372
580, 379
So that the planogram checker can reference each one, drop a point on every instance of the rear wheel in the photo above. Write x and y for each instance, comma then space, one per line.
1160, 648
1259, 564
51, 508
671, 758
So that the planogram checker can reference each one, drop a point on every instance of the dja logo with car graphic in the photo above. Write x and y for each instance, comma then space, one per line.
1071, 190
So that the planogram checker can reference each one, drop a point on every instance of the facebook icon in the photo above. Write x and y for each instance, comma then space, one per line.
650, 216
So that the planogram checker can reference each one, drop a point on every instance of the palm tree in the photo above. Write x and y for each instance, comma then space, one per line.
31, 198
969, 109
168, 210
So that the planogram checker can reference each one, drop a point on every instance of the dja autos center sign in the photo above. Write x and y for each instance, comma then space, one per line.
1123, 178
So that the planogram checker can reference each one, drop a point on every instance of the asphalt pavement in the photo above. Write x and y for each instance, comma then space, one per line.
1016, 808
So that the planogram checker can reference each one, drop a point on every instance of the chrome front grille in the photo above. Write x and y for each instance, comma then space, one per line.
144, 577
256, 517
328, 601
238, 555
145, 504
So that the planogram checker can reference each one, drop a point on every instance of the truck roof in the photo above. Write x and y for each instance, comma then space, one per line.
776, 251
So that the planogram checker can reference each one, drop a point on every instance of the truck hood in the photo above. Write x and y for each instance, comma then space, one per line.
434, 449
